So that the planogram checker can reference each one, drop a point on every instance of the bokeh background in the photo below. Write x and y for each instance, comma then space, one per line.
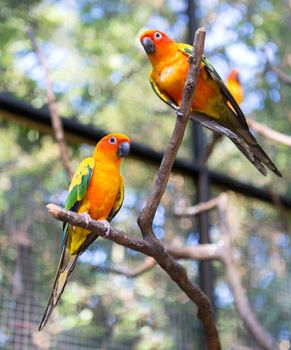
100, 78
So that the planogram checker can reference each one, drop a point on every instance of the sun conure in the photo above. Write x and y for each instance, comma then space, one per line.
97, 190
213, 105
234, 86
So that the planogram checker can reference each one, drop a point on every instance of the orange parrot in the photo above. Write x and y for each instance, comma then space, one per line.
234, 86
210, 103
96, 190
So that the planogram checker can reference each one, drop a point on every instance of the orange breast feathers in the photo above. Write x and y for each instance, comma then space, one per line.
170, 69
105, 181
102, 190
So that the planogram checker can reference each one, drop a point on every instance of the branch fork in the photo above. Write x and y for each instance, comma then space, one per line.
150, 245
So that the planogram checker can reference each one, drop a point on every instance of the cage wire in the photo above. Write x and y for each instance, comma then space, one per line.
112, 312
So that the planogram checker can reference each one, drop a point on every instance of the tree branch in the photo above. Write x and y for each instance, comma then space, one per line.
146, 218
269, 133
200, 208
240, 347
285, 78
211, 145
257, 127
150, 245
175, 270
99, 229
147, 265
226, 255
51, 100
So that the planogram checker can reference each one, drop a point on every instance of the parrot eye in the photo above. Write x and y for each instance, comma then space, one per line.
112, 140
158, 36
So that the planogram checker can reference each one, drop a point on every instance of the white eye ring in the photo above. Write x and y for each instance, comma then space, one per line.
158, 36
112, 140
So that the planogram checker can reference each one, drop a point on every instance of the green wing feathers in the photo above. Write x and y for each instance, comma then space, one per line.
224, 90
185, 48
77, 191
79, 183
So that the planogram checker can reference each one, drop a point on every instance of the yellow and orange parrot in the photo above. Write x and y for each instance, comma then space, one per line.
210, 103
234, 86
97, 190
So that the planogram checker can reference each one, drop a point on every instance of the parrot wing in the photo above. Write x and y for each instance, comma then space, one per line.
79, 184
235, 127
164, 97
118, 202
77, 191
115, 209
187, 49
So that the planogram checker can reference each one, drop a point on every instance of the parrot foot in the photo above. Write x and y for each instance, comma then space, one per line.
179, 113
87, 218
107, 227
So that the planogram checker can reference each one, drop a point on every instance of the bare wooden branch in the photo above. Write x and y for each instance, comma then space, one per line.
201, 252
146, 218
150, 245
226, 255
99, 228
175, 270
211, 146
146, 266
51, 100
255, 126
285, 78
201, 207
240, 347
269, 133
205, 251
260, 334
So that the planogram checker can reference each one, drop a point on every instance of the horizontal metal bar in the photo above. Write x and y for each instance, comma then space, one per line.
74, 131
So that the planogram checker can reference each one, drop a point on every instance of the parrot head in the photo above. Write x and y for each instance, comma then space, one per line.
234, 75
113, 147
157, 45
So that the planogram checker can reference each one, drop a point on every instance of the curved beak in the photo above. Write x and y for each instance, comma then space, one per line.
148, 45
123, 149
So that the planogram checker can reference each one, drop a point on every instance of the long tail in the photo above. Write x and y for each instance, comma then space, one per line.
66, 266
248, 145
241, 136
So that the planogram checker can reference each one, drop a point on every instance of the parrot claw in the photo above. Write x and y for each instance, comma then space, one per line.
179, 113
86, 217
107, 227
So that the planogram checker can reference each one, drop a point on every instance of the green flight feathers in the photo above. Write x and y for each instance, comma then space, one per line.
79, 183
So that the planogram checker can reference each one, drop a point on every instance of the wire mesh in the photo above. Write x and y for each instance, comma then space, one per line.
108, 311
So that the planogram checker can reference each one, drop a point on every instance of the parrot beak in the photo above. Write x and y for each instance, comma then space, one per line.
148, 45
123, 149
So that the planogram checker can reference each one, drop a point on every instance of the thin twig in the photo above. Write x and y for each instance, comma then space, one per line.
211, 146
226, 255
200, 208
285, 78
257, 127
240, 347
148, 213
269, 133
145, 220
99, 228
175, 270
150, 245
51, 100
147, 265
